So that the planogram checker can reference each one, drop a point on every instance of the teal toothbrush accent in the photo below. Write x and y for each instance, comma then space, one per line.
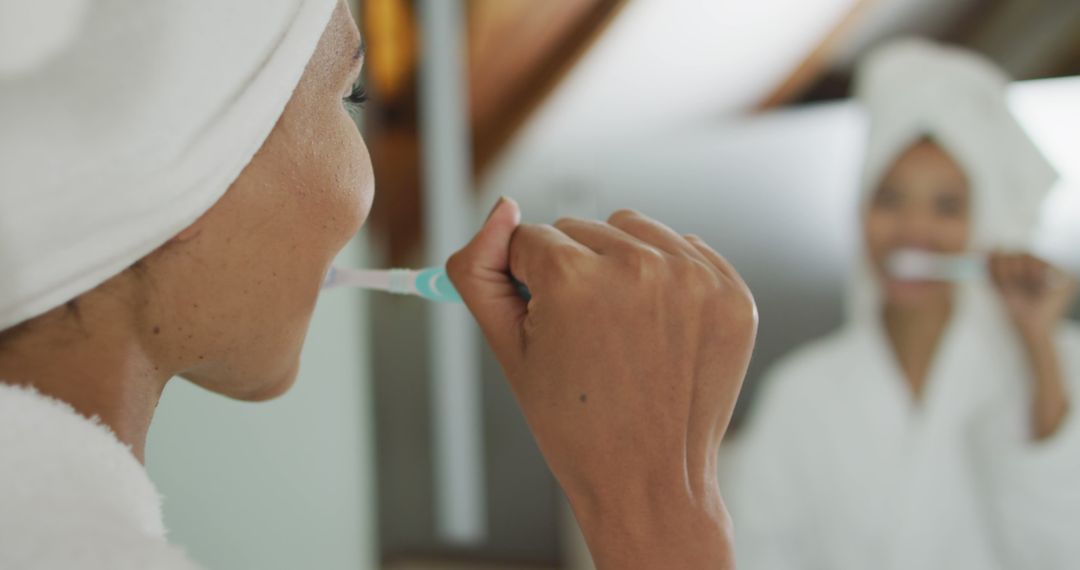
433, 284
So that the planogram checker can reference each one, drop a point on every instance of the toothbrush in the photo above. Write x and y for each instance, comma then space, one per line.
923, 265
430, 283
919, 265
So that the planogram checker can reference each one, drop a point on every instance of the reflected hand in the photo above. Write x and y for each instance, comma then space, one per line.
627, 363
1037, 295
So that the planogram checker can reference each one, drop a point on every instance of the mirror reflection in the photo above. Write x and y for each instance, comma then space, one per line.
523, 285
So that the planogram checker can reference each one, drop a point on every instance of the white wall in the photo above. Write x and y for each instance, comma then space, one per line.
775, 194
284, 484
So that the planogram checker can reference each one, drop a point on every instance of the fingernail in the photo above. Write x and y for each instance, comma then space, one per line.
495, 208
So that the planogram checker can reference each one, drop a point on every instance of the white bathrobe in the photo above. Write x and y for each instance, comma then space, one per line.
121, 122
839, 467
72, 496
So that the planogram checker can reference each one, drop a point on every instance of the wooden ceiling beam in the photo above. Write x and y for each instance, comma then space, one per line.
519, 50
815, 66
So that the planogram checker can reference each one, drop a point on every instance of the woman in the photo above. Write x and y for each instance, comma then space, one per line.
936, 429
177, 177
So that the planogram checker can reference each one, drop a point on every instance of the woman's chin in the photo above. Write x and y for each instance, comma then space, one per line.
915, 293
251, 387
269, 391
271, 385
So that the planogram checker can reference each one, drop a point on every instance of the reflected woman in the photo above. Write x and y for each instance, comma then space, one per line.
937, 428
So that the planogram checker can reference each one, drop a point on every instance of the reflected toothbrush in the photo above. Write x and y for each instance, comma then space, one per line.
923, 265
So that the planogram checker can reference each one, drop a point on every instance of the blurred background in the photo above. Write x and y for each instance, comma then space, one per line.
401, 446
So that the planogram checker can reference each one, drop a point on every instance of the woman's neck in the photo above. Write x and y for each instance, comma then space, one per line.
100, 371
914, 331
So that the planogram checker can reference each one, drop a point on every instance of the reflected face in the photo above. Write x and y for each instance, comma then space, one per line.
240, 284
923, 202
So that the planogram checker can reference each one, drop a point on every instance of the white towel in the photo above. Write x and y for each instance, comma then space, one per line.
912, 89
129, 124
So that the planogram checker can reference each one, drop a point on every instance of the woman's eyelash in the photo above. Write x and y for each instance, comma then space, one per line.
358, 96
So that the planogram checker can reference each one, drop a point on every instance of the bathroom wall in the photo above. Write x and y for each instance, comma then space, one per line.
284, 484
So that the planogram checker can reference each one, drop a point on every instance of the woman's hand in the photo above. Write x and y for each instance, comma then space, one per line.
1037, 295
626, 363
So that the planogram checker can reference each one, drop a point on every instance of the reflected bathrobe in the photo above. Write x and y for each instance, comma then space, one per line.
839, 466
72, 496
840, 469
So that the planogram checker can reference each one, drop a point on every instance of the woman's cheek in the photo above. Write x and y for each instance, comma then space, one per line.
348, 184
356, 195
879, 232
364, 185
954, 236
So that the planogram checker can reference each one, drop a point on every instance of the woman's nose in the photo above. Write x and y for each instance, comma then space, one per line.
915, 228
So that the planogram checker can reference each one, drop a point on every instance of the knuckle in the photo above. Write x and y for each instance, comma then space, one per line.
521, 235
695, 276
703, 245
563, 254
560, 263
753, 318
645, 263
535, 228
566, 221
741, 314
624, 215
733, 305
525, 238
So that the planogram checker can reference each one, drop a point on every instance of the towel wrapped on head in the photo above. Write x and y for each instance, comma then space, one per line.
123, 121
914, 89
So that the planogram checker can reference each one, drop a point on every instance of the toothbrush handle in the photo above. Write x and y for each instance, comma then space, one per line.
433, 284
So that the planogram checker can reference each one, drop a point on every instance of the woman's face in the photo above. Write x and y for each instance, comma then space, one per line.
923, 202
238, 287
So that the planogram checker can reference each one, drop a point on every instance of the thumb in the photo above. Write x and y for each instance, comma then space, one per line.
481, 274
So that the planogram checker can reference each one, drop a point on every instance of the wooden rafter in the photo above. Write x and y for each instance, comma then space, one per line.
519, 50
815, 65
